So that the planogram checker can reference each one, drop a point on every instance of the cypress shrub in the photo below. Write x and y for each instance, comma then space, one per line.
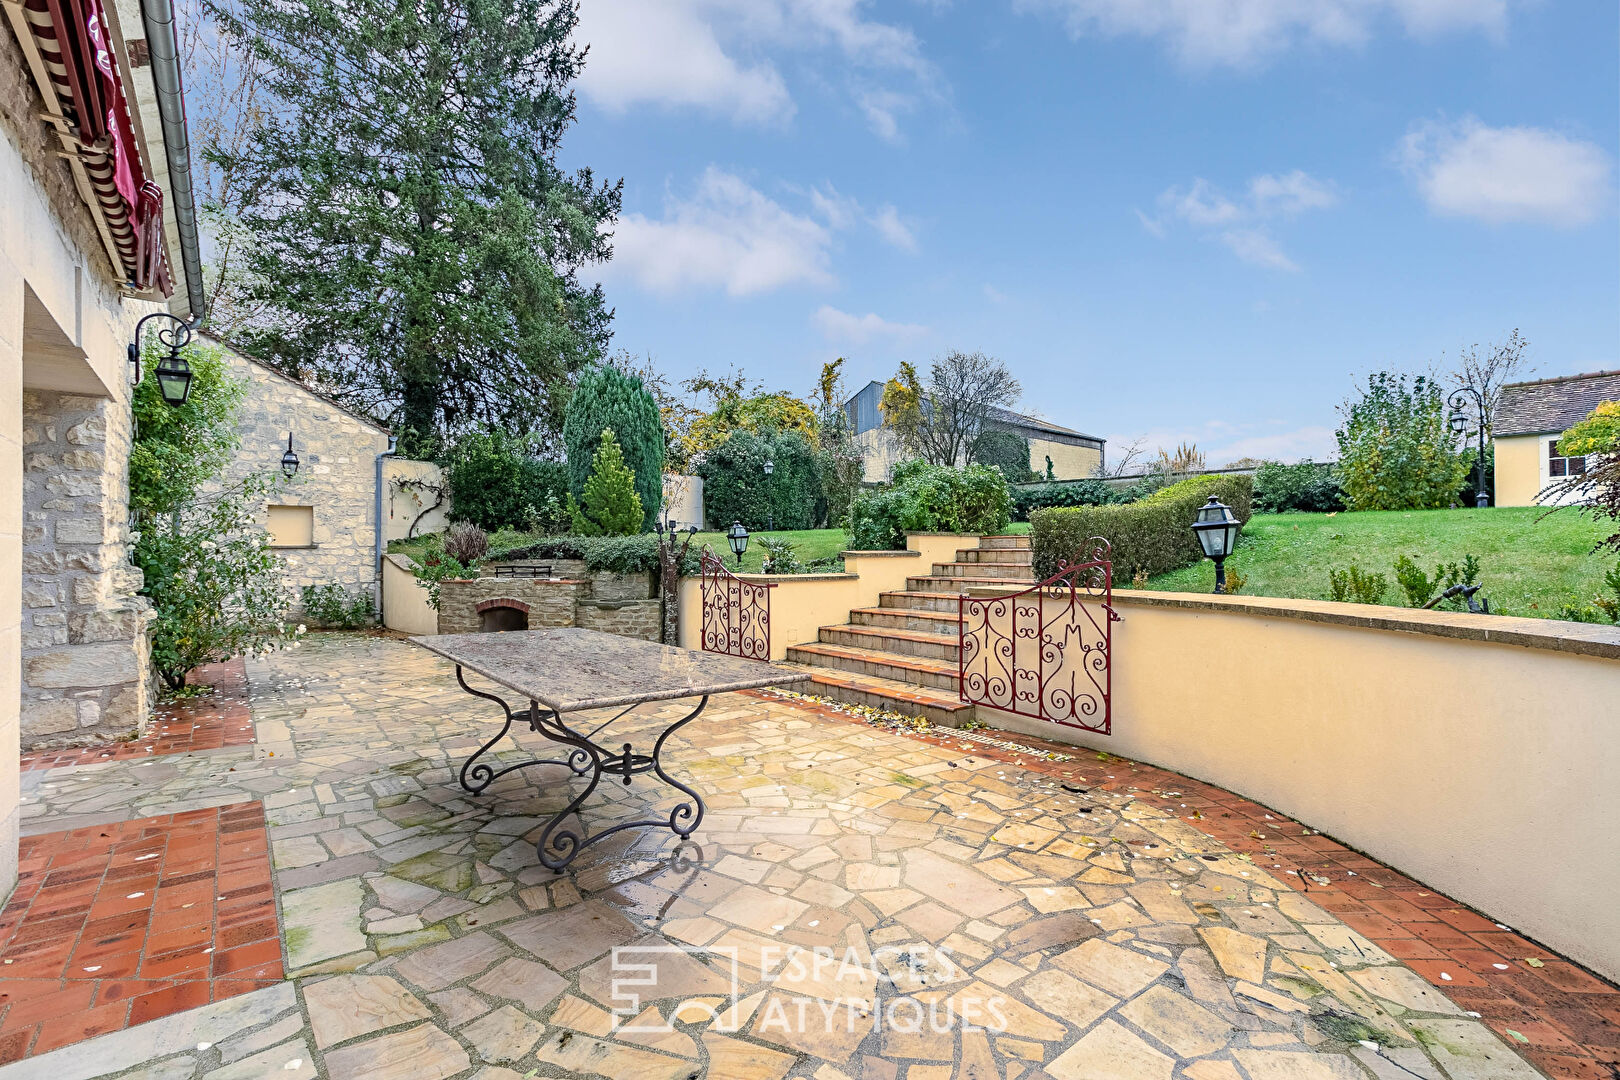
608, 398
1154, 534
610, 505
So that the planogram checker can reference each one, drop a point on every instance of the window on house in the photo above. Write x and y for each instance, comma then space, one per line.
292, 526
1559, 465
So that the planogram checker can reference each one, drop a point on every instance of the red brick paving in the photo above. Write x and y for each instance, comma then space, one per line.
1559, 1016
114, 925
207, 723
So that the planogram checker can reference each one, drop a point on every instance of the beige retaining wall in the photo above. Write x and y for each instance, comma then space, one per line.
405, 604
803, 603
1477, 754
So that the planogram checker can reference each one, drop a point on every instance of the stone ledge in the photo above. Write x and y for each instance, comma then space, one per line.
908, 554
1581, 639
777, 579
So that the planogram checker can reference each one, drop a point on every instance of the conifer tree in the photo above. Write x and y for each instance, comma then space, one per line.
412, 245
609, 505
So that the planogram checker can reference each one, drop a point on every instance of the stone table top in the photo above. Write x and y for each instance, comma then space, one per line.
568, 669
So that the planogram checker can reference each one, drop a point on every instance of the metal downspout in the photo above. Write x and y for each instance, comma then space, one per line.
162, 46
393, 441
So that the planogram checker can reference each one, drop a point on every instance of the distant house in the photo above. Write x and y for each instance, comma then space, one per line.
1526, 427
1071, 454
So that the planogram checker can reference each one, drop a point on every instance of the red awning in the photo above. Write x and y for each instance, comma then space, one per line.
75, 41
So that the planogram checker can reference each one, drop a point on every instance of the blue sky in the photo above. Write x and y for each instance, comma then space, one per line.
1179, 219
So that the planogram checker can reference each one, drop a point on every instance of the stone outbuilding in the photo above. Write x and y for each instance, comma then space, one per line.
324, 523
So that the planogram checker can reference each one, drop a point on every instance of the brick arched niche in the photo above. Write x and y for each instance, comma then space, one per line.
502, 613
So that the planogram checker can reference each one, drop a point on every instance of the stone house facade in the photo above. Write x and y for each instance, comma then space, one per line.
323, 522
73, 285
569, 595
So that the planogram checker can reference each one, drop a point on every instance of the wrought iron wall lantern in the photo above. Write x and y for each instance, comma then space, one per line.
174, 374
289, 460
737, 537
1217, 530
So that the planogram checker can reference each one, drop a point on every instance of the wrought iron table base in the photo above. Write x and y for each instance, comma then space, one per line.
559, 846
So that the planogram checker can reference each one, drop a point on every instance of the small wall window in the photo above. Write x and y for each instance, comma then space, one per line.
292, 526
1559, 465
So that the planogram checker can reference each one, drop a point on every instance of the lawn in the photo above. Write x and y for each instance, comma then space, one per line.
1530, 567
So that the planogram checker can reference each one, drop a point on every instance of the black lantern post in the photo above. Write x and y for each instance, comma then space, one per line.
1217, 530
1459, 425
737, 537
289, 460
770, 502
173, 372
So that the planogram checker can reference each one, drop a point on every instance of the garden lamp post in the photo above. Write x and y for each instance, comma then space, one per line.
173, 372
289, 460
1217, 530
1459, 425
770, 503
737, 537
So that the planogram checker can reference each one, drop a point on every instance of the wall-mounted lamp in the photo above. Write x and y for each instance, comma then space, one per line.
289, 460
173, 372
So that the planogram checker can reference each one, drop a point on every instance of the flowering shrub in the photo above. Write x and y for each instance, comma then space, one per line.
214, 582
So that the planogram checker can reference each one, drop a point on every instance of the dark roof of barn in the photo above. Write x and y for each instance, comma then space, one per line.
1546, 405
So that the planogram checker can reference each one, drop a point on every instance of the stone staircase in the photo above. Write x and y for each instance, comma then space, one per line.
902, 654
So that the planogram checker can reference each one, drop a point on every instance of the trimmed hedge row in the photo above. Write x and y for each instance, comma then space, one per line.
1154, 534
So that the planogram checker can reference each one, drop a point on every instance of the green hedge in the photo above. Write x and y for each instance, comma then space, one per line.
1088, 492
930, 498
1154, 534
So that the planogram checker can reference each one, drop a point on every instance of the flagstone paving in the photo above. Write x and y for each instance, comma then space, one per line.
856, 904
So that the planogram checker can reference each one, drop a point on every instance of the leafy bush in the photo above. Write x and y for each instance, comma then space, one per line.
331, 605
1598, 489
1154, 534
781, 557
1004, 450
465, 542
1351, 586
437, 565
214, 581
1396, 449
930, 498
735, 487
601, 554
610, 505
1307, 487
1068, 493
608, 399
1420, 587
177, 450
496, 483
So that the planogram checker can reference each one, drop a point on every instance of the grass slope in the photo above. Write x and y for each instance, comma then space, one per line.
1530, 567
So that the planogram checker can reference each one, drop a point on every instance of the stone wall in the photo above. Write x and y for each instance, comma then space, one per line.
604, 585
84, 645
337, 475
550, 603
627, 618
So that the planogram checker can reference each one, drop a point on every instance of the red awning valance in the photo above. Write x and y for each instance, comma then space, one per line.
74, 41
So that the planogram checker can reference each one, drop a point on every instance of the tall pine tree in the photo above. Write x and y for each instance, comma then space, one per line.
414, 247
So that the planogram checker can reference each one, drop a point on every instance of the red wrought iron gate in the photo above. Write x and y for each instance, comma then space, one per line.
1044, 652
736, 613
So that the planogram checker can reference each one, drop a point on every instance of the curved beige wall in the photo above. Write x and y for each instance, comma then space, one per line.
405, 604
1485, 770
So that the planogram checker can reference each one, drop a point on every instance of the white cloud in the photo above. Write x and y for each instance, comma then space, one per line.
716, 55
1257, 247
1241, 33
1243, 226
994, 295
1289, 194
838, 325
894, 231
1508, 173
727, 235
665, 53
